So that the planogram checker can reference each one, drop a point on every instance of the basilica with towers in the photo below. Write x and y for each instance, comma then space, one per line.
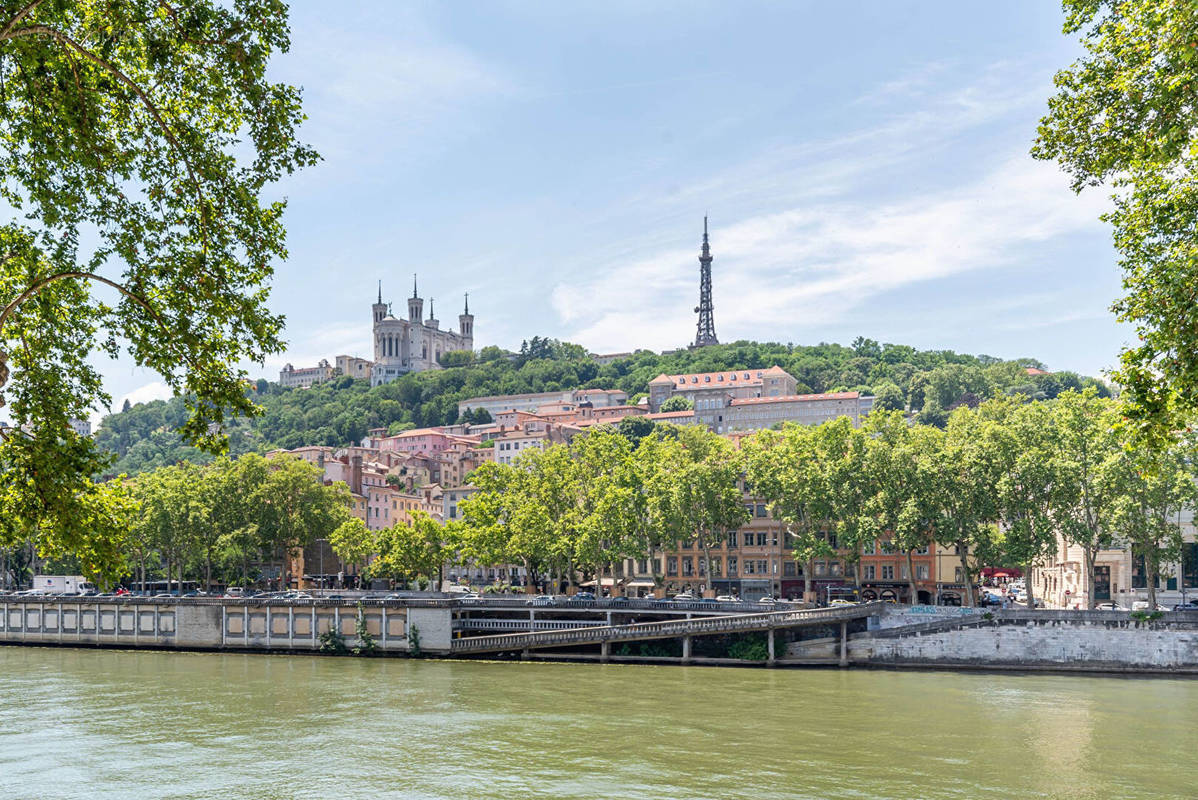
416, 343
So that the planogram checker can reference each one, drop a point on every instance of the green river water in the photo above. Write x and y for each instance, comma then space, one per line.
125, 724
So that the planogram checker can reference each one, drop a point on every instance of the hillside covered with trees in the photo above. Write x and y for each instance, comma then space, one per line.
341, 411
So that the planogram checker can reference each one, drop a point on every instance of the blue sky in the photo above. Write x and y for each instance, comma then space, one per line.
864, 166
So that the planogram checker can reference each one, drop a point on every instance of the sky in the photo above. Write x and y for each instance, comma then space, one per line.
864, 166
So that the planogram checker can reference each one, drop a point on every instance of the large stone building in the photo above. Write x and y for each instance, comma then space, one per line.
414, 344
534, 401
752, 399
304, 377
1119, 576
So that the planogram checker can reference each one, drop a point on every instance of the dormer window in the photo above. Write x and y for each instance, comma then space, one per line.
707, 379
695, 380
747, 376
720, 379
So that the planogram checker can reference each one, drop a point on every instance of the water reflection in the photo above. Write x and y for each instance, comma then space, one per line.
112, 724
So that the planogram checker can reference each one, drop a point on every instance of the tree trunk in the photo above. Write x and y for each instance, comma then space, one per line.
1027, 583
911, 598
808, 568
707, 567
1150, 570
967, 579
1090, 555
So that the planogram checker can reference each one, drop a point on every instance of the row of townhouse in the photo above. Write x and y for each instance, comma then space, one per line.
756, 560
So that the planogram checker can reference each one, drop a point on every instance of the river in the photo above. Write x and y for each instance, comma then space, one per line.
126, 724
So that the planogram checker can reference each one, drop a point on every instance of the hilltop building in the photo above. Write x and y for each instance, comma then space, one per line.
414, 344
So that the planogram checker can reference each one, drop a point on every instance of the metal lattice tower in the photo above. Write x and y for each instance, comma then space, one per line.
705, 310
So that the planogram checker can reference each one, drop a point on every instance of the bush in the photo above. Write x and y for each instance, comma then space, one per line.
331, 641
751, 647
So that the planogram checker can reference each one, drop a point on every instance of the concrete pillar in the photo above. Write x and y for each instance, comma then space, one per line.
686, 649
844, 644
771, 662
604, 652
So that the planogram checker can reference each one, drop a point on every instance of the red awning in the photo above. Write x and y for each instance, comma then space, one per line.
1002, 572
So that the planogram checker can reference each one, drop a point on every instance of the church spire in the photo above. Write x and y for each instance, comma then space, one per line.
431, 315
380, 293
414, 293
467, 311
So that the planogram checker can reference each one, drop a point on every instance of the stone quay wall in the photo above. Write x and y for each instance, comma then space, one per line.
213, 624
1102, 641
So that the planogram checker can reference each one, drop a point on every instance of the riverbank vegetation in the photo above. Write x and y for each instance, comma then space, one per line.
340, 412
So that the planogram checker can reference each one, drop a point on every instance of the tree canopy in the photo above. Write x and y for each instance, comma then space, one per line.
1124, 117
139, 140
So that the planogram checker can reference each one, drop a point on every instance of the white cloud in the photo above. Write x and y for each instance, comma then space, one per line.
810, 265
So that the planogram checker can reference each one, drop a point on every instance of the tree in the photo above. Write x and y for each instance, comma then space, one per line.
1148, 514
1087, 453
965, 508
503, 522
781, 467
707, 497
295, 507
888, 397
678, 402
899, 464
1124, 116
418, 548
1015, 442
353, 542
154, 131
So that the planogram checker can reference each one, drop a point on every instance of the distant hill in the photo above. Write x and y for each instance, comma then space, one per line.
341, 411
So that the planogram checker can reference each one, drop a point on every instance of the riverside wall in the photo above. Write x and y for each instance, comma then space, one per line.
216, 624
1019, 639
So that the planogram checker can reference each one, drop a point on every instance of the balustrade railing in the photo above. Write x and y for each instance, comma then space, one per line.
697, 626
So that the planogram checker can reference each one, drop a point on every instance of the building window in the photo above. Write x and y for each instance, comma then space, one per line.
821, 569
903, 572
887, 572
761, 512
761, 538
836, 569
921, 572
731, 539
688, 566
869, 548
789, 569
672, 565
868, 572
959, 576
732, 566
715, 567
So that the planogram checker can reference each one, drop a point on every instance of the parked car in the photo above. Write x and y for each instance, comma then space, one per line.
684, 597
1109, 607
584, 597
727, 598
1142, 605
768, 600
1189, 605
542, 600
840, 601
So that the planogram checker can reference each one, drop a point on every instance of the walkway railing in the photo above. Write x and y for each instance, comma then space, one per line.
700, 626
